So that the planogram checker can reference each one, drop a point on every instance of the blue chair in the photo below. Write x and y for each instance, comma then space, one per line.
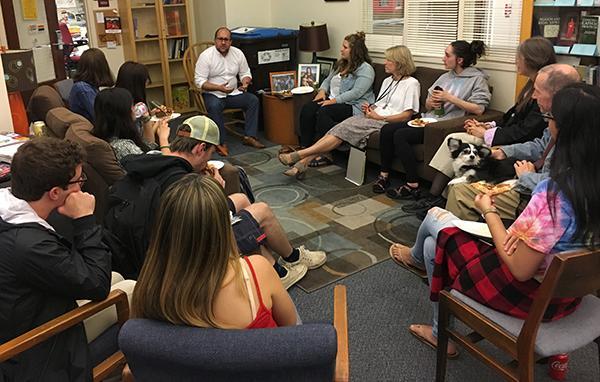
159, 351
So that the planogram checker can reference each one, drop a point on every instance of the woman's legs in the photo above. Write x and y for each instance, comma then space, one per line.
404, 138
308, 120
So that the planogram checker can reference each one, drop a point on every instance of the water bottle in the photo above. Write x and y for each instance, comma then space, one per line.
440, 110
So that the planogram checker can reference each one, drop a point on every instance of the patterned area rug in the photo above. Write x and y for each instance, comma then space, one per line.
324, 211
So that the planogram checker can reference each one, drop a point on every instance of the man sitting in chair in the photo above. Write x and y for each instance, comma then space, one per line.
217, 72
41, 273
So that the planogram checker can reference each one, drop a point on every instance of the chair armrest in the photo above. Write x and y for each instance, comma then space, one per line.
435, 133
33, 337
340, 322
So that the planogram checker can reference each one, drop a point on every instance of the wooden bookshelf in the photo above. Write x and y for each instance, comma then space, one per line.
155, 35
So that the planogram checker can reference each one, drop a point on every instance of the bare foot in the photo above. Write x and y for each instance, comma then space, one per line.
425, 334
401, 254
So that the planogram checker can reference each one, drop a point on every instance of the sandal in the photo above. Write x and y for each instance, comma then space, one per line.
320, 161
427, 342
402, 259
298, 171
381, 184
293, 158
404, 192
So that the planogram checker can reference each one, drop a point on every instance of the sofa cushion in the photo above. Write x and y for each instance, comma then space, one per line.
43, 99
59, 121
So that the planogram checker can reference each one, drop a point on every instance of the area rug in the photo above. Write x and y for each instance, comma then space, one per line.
324, 211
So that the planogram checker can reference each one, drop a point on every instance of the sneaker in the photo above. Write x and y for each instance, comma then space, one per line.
381, 184
425, 204
312, 259
404, 192
295, 273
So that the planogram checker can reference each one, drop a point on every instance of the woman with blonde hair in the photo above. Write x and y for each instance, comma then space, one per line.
193, 274
398, 101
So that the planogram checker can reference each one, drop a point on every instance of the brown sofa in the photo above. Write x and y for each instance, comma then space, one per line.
435, 133
101, 165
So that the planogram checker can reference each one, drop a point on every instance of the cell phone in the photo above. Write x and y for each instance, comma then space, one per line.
438, 88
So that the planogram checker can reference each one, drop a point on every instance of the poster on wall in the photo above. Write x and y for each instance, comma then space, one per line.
66, 4
29, 8
112, 24
103, 3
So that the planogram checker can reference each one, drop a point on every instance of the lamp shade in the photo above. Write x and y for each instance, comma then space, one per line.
313, 37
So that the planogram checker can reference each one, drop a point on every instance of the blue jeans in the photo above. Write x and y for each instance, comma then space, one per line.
245, 101
423, 252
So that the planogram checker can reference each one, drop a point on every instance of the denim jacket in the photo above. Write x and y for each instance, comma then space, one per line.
356, 87
531, 151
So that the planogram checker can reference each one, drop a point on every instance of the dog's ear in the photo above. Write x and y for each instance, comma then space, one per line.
484, 152
454, 144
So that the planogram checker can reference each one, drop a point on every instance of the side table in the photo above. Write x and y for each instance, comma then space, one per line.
281, 117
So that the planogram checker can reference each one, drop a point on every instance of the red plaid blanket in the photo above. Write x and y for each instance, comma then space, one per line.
472, 267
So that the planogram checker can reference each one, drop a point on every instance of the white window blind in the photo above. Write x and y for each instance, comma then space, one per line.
430, 26
383, 23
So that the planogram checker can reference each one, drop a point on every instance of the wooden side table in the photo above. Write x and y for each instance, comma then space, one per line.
281, 117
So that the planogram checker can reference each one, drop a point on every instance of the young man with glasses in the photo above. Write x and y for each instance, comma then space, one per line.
41, 273
217, 72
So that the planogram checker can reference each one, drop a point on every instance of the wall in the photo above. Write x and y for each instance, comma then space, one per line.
5, 116
251, 13
208, 15
27, 39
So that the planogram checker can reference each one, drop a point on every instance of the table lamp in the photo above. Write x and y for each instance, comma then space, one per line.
313, 38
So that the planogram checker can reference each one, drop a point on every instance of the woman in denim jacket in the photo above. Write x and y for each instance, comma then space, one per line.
340, 95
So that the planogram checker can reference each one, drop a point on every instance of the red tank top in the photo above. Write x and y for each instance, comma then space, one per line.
264, 316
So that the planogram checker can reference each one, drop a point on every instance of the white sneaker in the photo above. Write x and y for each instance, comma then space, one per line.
312, 259
295, 273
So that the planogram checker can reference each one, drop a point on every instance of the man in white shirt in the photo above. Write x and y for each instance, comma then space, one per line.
217, 72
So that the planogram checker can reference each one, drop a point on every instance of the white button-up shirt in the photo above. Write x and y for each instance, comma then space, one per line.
216, 69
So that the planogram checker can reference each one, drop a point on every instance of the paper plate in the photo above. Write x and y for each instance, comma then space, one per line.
302, 90
428, 120
474, 228
173, 116
216, 164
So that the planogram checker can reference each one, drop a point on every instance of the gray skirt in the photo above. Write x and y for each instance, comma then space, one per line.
356, 130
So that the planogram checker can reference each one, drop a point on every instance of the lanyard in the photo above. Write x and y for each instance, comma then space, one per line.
388, 92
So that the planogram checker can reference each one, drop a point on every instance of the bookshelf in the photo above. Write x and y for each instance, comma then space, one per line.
156, 33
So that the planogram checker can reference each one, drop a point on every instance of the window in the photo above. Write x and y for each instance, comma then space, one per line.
428, 26
383, 22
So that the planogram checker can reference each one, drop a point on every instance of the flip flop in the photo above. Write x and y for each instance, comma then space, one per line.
431, 344
320, 162
404, 264
294, 157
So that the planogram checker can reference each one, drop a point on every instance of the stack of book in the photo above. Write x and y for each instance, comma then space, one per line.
177, 47
9, 143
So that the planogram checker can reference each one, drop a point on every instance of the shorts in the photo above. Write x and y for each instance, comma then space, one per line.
247, 232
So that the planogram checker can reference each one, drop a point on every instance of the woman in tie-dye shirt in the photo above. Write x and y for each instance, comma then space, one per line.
563, 215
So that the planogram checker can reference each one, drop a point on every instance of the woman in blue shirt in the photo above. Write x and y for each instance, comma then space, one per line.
92, 73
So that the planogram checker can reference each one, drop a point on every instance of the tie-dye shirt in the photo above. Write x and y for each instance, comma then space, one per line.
540, 232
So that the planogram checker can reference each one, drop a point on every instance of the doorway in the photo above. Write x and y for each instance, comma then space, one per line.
72, 32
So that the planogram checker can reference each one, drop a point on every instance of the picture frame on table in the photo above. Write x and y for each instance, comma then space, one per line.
282, 82
308, 74
325, 66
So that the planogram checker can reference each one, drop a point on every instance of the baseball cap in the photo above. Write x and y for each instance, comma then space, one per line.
202, 128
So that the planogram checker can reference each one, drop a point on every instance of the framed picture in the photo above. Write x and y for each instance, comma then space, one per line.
282, 81
326, 66
308, 74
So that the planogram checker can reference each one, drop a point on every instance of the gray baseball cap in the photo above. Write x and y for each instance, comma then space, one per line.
202, 128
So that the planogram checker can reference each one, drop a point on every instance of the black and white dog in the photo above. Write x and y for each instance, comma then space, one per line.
472, 163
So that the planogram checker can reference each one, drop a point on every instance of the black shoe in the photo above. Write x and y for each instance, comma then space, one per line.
425, 204
381, 184
404, 192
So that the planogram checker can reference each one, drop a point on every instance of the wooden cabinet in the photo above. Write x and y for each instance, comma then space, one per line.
156, 33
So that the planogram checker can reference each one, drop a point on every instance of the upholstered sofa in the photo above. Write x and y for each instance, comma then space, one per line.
435, 133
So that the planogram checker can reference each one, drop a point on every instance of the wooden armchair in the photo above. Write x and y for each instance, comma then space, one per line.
42, 333
158, 351
571, 274
190, 57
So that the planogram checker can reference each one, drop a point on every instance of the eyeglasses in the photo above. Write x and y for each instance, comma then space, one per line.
82, 179
547, 116
224, 39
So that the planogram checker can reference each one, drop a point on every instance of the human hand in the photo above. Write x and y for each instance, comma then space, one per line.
225, 89
217, 176
523, 167
163, 131
328, 102
476, 130
441, 96
320, 96
483, 202
78, 204
498, 154
365, 107
510, 243
372, 114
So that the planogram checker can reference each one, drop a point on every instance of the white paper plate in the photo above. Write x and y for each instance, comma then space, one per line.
173, 116
216, 164
302, 90
428, 120
474, 228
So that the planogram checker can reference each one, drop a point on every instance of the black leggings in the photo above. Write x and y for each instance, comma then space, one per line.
396, 139
315, 120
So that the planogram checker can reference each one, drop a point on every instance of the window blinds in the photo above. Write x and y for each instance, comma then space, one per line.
383, 23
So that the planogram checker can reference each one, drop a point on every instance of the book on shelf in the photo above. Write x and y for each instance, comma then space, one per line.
174, 27
569, 26
181, 97
549, 25
588, 30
